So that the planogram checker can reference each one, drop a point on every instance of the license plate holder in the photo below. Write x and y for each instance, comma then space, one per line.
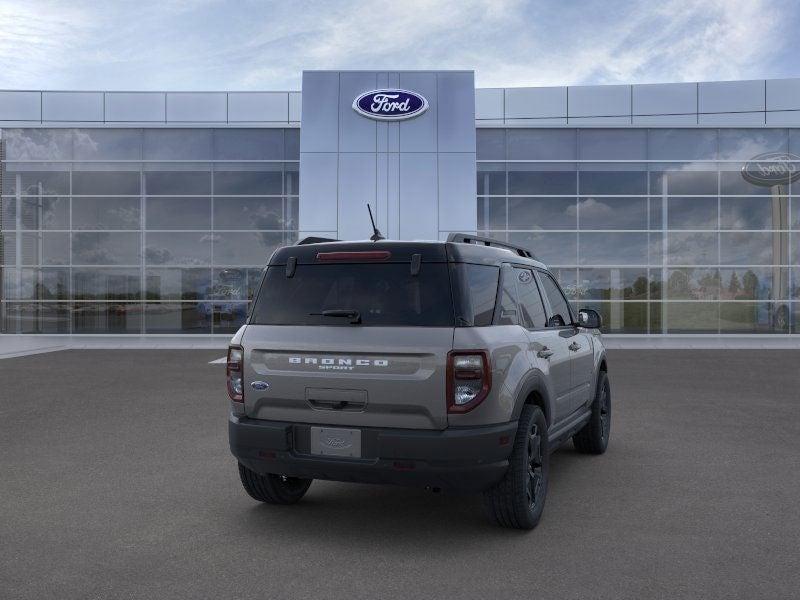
335, 441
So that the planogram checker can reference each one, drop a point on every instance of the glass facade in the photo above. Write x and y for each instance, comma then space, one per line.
141, 230
656, 229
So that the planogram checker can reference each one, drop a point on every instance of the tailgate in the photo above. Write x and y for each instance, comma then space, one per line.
347, 375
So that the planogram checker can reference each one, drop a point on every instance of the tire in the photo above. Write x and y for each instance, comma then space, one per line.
517, 501
273, 489
593, 438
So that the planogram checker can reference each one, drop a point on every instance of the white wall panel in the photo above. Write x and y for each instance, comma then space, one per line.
20, 106
783, 94
197, 107
599, 100
136, 107
731, 96
72, 106
489, 103
664, 98
536, 103
258, 106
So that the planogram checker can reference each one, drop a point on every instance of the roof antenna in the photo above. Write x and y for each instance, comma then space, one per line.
376, 235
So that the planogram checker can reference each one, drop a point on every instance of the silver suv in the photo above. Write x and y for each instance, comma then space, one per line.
454, 365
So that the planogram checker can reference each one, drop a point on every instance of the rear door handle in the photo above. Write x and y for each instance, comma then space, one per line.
544, 353
574, 346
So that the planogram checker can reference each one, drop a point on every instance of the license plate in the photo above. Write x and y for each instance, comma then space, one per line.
332, 441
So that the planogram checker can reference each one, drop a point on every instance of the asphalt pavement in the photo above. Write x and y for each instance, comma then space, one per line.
116, 482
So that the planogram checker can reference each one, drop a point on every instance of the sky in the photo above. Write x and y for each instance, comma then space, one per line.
265, 45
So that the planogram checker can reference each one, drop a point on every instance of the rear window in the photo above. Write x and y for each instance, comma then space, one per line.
476, 287
383, 294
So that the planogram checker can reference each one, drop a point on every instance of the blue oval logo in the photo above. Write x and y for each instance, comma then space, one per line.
259, 385
772, 168
390, 105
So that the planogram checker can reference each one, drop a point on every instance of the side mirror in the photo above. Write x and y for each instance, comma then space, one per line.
590, 319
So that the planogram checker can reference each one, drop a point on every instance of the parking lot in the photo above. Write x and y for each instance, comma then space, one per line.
116, 482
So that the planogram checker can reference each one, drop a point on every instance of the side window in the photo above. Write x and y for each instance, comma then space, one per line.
507, 306
558, 304
530, 301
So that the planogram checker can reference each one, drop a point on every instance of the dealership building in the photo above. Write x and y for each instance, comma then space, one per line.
671, 209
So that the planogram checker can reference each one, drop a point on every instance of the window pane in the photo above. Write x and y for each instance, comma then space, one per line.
794, 289
613, 182
542, 213
756, 248
693, 284
522, 181
249, 213
613, 249
683, 183
612, 144
530, 301
612, 213
38, 144
692, 249
568, 280
291, 179
559, 309
177, 183
35, 182
103, 248
745, 144
102, 317
178, 213
107, 144
754, 213
755, 283
291, 144
250, 183
106, 284
105, 213
613, 284
621, 317
508, 313
491, 179
245, 248
45, 248
183, 317
490, 144
682, 144
550, 248
178, 248
691, 317
231, 284
36, 317
753, 317
35, 284
177, 284
178, 144
492, 213
228, 317
43, 212
248, 144
732, 182
692, 213
541, 144
116, 183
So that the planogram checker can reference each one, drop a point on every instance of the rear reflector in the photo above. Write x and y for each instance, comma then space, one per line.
366, 255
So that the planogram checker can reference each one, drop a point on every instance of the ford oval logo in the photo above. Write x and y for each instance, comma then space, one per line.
772, 168
259, 385
390, 105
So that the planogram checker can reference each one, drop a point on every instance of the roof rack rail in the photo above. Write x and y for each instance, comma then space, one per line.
464, 238
312, 239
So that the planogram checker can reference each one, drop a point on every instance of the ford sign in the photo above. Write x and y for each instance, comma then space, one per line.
390, 105
772, 168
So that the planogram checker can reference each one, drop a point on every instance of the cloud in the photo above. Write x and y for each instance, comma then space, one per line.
210, 44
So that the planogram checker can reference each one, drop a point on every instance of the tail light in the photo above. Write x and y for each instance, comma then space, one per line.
234, 373
469, 379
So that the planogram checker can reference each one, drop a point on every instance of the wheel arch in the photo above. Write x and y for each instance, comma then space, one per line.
534, 391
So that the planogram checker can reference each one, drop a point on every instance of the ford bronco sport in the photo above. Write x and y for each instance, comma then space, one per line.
450, 365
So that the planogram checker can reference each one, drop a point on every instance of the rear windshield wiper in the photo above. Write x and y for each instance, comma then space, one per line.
353, 315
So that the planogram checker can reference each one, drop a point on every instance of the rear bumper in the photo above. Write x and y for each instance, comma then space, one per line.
464, 459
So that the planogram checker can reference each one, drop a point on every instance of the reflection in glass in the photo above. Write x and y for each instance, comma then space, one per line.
177, 317
178, 248
43, 212
541, 144
613, 284
107, 317
522, 180
249, 213
621, 317
36, 181
754, 317
237, 249
229, 316
732, 182
612, 182
248, 182
248, 144
107, 144
755, 283
691, 317
178, 144
678, 182
744, 144
177, 213
35, 317
613, 249
550, 248
692, 248
754, 213
490, 144
612, 144
693, 284
38, 144
106, 284
542, 213
491, 179
46, 248
612, 213
692, 213
177, 284
112, 183
755, 248
682, 144
492, 213
105, 213
106, 248
177, 183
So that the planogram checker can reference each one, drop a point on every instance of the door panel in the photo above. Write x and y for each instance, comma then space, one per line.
583, 369
557, 366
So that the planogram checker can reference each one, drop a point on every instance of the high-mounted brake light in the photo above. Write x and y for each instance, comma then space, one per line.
469, 379
356, 256
233, 371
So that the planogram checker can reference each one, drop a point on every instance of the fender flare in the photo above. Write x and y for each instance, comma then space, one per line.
535, 381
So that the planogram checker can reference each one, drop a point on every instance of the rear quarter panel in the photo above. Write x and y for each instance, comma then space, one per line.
507, 346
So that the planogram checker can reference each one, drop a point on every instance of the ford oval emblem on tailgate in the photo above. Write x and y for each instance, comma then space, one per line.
259, 385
